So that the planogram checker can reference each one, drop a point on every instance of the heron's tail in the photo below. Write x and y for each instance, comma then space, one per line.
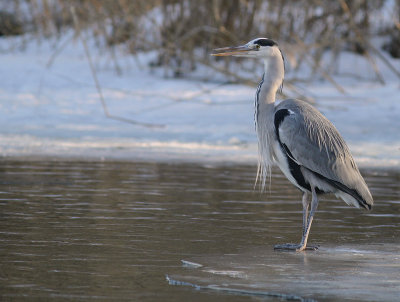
360, 197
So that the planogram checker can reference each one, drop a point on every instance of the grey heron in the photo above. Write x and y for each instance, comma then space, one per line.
301, 141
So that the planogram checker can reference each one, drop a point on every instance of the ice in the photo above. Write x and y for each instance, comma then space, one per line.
190, 264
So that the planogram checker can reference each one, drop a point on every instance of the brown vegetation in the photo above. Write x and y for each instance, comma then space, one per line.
183, 32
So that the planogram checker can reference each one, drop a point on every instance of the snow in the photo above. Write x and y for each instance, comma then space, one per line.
55, 110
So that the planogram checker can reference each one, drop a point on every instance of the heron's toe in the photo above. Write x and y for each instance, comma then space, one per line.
312, 247
295, 247
287, 246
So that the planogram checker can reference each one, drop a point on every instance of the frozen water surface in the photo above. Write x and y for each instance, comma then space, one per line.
115, 231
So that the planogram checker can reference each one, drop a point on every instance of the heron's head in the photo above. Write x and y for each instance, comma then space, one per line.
257, 48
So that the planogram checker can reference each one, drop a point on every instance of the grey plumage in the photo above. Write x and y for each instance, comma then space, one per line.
302, 142
309, 136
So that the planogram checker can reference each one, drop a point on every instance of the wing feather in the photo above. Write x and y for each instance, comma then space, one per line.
315, 143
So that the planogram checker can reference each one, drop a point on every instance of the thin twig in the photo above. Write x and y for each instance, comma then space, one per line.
98, 87
320, 69
57, 51
53, 56
384, 60
352, 24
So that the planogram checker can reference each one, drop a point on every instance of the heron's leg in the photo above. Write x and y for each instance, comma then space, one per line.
307, 220
306, 204
306, 232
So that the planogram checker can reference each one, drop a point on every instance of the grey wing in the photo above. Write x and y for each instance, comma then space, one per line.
313, 142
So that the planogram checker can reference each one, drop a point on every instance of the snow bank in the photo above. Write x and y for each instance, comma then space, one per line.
56, 110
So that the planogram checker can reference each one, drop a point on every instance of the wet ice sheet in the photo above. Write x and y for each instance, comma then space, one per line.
357, 273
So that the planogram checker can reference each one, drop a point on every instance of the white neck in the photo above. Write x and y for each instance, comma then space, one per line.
273, 77
265, 110
268, 87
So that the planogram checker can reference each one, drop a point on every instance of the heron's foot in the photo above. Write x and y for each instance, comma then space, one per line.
295, 247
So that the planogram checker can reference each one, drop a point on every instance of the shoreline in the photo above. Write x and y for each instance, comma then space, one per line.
147, 155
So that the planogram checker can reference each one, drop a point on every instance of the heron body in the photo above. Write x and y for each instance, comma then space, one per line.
302, 142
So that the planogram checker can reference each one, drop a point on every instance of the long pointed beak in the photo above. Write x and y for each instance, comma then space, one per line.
231, 51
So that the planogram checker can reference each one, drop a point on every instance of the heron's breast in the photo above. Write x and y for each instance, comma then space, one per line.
282, 162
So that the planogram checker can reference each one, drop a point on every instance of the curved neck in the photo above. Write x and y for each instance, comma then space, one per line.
268, 87
273, 78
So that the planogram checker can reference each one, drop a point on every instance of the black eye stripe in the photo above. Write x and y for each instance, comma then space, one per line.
265, 42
